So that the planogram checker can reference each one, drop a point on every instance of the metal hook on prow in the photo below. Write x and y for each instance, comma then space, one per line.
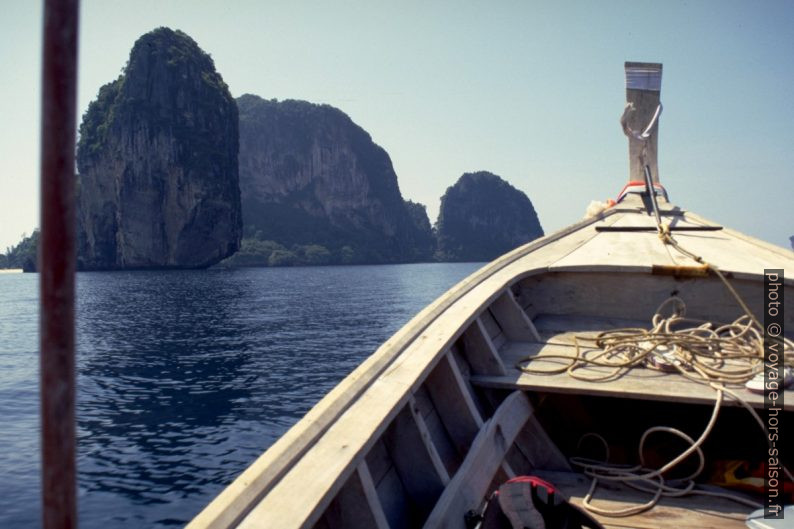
645, 134
640, 120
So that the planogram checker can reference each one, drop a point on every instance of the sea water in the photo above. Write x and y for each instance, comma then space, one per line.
185, 377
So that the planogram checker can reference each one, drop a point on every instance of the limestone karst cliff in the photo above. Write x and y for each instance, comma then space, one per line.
310, 176
426, 239
482, 217
157, 160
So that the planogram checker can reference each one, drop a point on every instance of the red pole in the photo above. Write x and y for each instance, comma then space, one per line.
57, 264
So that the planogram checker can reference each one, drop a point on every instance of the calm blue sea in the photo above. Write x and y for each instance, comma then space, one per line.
185, 377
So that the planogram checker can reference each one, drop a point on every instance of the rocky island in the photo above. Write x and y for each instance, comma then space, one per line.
482, 217
157, 160
316, 189
175, 173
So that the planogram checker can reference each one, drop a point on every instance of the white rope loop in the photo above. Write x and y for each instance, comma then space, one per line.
646, 132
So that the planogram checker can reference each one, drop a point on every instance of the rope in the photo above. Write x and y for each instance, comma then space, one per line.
728, 354
715, 356
700, 351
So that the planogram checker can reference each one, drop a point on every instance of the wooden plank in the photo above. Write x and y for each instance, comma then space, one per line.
470, 483
553, 324
615, 295
463, 367
730, 254
445, 446
378, 462
480, 352
371, 494
512, 318
522, 301
538, 448
729, 250
454, 402
638, 383
561, 328
781, 253
421, 471
533, 448
492, 328
618, 251
427, 440
643, 86
424, 402
507, 470
466, 390
704, 512
356, 506
393, 499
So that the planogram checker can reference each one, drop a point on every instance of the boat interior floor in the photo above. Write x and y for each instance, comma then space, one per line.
703, 512
567, 411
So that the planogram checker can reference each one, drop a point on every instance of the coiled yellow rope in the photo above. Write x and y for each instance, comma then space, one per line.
701, 351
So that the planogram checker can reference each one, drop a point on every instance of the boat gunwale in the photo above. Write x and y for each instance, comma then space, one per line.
240, 497
245, 493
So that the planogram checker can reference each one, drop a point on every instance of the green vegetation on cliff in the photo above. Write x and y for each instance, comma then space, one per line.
255, 251
157, 161
24, 255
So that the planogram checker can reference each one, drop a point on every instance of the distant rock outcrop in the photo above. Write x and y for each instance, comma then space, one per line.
426, 239
482, 217
157, 162
309, 176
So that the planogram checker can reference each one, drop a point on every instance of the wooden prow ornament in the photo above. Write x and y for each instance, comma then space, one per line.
640, 119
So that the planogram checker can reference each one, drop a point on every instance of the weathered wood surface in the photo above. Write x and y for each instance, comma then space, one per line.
415, 452
644, 98
356, 506
703, 512
638, 383
732, 253
618, 251
512, 319
612, 295
777, 251
532, 447
454, 402
742, 256
373, 502
388, 487
416, 460
561, 329
480, 351
470, 483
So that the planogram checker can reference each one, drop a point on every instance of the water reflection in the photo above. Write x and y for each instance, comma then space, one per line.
163, 361
185, 377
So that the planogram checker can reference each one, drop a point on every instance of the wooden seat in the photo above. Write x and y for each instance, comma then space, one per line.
637, 383
704, 512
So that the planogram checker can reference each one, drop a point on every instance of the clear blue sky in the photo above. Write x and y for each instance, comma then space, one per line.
531, 91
